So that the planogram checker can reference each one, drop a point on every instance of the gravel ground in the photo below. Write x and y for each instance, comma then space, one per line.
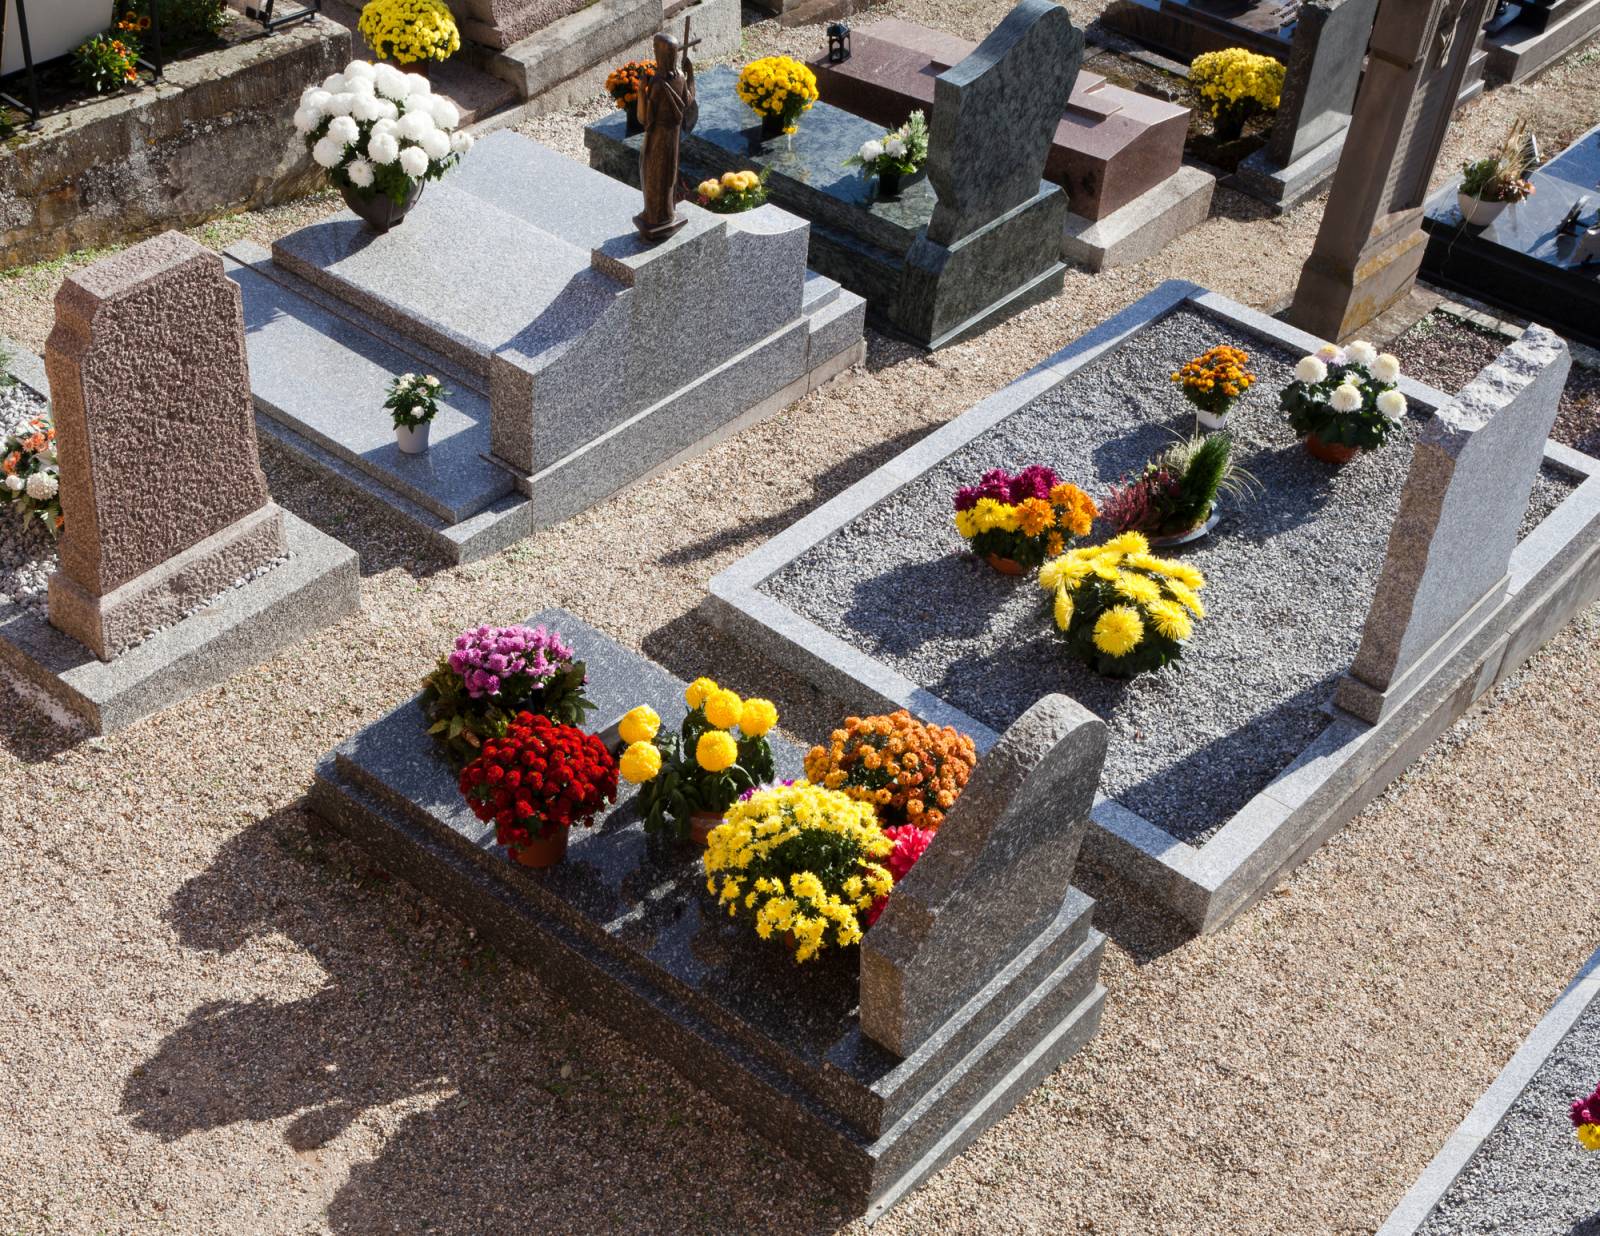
218, 1018
1291, 568
1531, 1177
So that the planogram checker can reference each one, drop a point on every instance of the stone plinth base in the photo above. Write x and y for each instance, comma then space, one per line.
161, 596
316, 587
1143, 227
1521, 49
1338, 303
1284, 187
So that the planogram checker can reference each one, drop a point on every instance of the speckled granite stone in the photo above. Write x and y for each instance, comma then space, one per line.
1449, 555
625, 929
164, 500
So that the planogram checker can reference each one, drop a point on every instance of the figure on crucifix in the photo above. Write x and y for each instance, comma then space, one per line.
667, 109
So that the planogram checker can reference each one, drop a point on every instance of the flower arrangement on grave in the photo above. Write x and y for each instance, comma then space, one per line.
535, 782
732, 192
1344, 400
897, 154
408, 31
1214, 381
1176, 492
1236, 85
32, 481
910, 844
413, 402
1120, 609
910, 772
802, 863
690, 778
1016, 521
490, 676
107, 62
626, 82
380, 134
1586, 1120
1490, 184
778, 89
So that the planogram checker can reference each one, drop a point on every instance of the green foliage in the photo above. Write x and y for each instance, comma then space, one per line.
106, 63
682, 787
1204, 467
182, 21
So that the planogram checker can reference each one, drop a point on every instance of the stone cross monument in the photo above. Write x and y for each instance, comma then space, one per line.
164, 500
1370, 243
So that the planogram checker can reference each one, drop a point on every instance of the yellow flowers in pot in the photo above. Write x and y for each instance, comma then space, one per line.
778, 89
406, 31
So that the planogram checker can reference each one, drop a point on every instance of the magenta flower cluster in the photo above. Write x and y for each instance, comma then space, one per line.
1586, 1111
1034, 481
485, 657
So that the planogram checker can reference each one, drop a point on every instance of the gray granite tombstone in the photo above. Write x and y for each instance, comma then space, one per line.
996, 876
1370, 243
995, 116
1450, 548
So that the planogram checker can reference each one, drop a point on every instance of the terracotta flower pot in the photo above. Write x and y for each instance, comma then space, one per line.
379, 209
545, 850
1336, 453
701, 823
1006, 566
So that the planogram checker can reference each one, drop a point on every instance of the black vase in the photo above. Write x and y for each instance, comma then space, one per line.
633, 125
379, 210
889, 184
772, 126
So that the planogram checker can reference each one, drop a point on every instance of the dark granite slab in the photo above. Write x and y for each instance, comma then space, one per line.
1183, 29
625, 928
1521, 260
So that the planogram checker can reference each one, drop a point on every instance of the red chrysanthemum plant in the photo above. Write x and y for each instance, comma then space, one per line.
910, 843
536, 783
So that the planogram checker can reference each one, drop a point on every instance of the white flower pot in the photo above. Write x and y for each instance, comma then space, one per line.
412, 441
1478, 212
1209, 420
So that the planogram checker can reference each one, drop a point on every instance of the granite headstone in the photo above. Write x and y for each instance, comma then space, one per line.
995, 876
164, 500
1464, 498
1319, 86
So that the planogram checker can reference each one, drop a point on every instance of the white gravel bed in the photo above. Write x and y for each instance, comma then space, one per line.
1291, 572
1531, 1176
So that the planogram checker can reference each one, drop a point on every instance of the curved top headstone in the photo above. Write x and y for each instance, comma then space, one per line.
995, 115
993, 879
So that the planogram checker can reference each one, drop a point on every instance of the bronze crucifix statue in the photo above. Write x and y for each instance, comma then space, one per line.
667, 108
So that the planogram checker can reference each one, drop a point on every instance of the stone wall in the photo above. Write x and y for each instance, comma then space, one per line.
215, 135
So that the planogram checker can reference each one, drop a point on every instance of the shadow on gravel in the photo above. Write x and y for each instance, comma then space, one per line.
29, 733
492, 1105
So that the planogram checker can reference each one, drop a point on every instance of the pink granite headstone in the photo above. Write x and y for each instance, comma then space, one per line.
164, 500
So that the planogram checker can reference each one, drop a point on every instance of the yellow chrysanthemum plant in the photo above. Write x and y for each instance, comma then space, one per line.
718, 753
802, 864
732, 192
778, 89
1235, 85
407, 31
1121, 610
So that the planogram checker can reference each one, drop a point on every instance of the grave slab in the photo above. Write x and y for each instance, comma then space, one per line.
1539, 36
1336, 765
624, 930
973, 243
1523, 261
581, 366
1117, 154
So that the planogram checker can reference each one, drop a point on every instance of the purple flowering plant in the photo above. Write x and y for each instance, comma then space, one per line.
1034, 481
493, 673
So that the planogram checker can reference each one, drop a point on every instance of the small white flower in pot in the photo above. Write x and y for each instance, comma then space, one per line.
414, 402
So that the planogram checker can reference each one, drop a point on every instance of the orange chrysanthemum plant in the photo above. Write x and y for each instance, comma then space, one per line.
1214, 380
910, 772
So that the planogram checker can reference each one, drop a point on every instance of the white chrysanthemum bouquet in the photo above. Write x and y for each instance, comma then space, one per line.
1345, 397
380, 132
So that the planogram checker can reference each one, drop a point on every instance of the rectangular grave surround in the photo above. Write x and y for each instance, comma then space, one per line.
625, 928
1520, 260
1221, 775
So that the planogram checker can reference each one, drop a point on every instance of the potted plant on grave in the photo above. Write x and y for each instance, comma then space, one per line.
1121, 610
801, 864
895, 157
624, 84
536, 782
31, 487
381, 135
108, 62
410, 33
1491, 184
491, 675
1214, 381
689, 779
910, 772
1585, 1114
1344, 401
1173, 500
732, 192
413, 402
1235, 86
1015, 522
778, 89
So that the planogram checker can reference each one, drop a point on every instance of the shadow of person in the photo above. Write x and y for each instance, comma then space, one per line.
493, 1106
